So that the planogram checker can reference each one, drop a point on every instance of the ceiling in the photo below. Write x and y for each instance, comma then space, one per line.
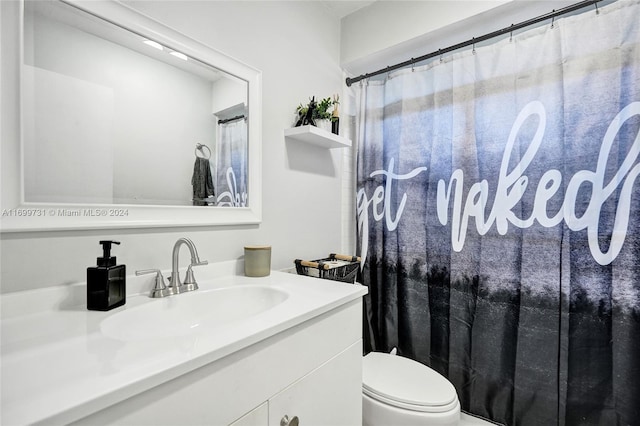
342, 8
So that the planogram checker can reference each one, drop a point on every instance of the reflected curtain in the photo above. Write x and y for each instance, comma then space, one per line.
498, 214
231, 167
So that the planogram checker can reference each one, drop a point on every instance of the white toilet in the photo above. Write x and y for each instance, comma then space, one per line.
398, 391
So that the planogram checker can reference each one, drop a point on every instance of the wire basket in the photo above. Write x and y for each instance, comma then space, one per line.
336, 267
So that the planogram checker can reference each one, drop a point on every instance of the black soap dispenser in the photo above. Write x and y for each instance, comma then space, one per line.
106, 283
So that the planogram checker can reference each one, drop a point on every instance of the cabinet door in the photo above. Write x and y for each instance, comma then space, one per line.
330, 395
259, 416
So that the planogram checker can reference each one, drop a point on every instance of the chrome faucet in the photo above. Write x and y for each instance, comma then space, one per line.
190, 283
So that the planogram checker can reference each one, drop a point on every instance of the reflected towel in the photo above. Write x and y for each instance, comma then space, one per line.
202, 182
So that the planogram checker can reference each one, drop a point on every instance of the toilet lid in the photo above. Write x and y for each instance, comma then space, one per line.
406, 383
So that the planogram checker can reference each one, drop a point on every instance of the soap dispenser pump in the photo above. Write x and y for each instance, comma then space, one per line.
106, 283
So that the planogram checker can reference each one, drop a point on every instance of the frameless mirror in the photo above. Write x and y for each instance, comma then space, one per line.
120, 113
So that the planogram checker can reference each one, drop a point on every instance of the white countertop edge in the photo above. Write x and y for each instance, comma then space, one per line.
106, 400
98, 400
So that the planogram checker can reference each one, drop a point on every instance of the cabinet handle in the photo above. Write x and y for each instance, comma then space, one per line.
289, 422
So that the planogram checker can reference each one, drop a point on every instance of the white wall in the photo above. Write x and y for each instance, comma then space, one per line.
296, 45
227, 93
385, 24
52, 104
389, 32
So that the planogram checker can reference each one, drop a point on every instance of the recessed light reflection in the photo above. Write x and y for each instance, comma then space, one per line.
154, 44
179, 55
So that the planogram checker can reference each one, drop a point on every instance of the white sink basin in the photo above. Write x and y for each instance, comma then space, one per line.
191, 313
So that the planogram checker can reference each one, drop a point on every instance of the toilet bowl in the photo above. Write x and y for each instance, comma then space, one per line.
401, 392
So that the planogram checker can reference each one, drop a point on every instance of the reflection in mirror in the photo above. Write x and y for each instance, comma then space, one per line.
110, 117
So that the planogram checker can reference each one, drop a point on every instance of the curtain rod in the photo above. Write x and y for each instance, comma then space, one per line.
237, 117
474, 40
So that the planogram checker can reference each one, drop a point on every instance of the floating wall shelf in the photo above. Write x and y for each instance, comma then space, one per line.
316, 136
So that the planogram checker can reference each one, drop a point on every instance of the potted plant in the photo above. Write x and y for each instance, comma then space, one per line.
323, 114
319, 114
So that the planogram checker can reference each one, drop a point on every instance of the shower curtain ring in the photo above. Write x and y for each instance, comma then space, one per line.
596, 5
440, 52
511, 34
553, 18
473, 40
413, 64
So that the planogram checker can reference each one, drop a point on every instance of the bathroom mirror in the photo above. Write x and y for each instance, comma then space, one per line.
128, 123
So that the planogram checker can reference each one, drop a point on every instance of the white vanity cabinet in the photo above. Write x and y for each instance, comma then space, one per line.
312, 371
329, 395
326, 396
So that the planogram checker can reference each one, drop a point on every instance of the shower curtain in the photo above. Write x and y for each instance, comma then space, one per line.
231, 170
498, 207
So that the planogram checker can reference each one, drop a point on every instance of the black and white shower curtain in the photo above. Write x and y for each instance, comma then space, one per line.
231, 167
498, 209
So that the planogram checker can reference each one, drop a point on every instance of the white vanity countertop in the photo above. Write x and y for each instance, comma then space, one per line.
57, 366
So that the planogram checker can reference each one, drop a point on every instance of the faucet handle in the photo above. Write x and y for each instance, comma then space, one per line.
189, 279
160, 288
